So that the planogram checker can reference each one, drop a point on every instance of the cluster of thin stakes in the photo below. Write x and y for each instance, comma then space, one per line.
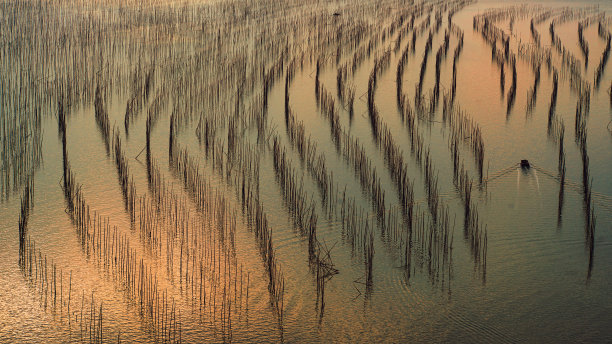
207, 91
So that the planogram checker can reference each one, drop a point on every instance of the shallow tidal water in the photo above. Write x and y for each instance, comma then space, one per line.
540, 277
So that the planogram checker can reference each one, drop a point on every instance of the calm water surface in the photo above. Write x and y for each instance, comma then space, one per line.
541, 284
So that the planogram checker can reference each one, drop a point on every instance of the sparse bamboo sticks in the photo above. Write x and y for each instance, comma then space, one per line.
512, 90
584, 46
532, 95
603, 61
419, 88
43, 278
553, 98
126, 182
465, 129
101, 114
215, 85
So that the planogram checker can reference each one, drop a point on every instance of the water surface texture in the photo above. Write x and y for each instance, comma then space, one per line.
305, 171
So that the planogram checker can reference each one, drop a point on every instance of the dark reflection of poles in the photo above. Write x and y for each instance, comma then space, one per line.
368, 259
532, 95
408, 252
502, 79
450, 274
589, 228
587, 182
512, 90
406, 274
591, 246
605, 34
560, 209
61, 117
561, 168
320, 293
553, 100
26, 205
484, 274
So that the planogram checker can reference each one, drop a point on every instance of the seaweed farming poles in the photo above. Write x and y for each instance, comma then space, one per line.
20, 138
126, 182
61, 119
353, 152
534, 32
46, 279
429, 247
172, 138
207, 263
346, 91
456, 54
427, 50
305, 219
555, 40
288, 79
464, 129
474, 233
532, 94
553, 98
584, 45
101, 115
589, 211
603, 61
368, 256
174, 215
257, 221
142, 83
302, 211
399, 77
557, 132
308, 153
208, 201
440, 54
512, 90
157, 105
27, 204
113, 252
382, 135
148, 129
327, 105
380, 64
